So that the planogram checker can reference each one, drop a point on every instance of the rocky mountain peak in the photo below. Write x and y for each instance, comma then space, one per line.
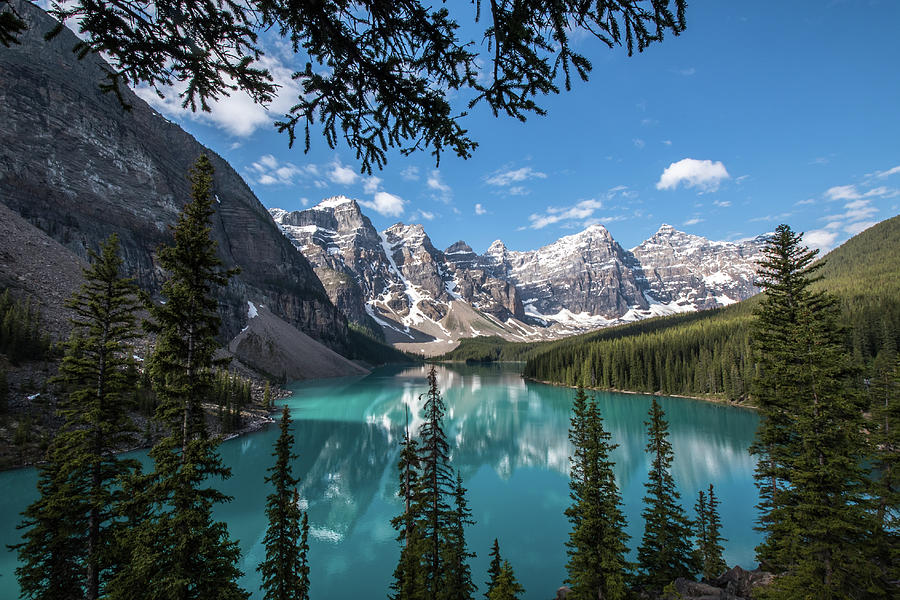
459, 247
496, 247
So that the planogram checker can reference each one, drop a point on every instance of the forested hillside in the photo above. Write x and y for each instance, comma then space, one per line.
709, 352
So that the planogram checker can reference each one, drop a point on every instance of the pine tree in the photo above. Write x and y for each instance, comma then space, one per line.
507, 587
493, 569
80, 482
665, 552
178, 550
709, 540
284, 568
815, 507
432, 533
596, 546
436, 487
457, 579
785, 274
408, 583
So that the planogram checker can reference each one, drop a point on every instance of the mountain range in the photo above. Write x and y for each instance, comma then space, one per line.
425, 299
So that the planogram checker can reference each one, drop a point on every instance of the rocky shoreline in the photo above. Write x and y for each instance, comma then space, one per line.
30, 419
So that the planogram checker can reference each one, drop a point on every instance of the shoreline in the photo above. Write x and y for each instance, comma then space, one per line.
711, 400
254, 418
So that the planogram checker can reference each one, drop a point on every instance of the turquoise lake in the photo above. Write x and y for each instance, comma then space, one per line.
509, 441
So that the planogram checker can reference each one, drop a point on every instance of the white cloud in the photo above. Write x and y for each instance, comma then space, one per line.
435, 183
510, 176
304, 201
371, 184
268, 170
518, 190
854, 228
842, 192
237, 113
342, 174
857, 210
693, 221
703, 174
807, 201
820, 239
580, 211
882, 192
410, 173
667, 142
422, 214
621, 191
638, 143
479, 209
385, 204
888, 173
722, 203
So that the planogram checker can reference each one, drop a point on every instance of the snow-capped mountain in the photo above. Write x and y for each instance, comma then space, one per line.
396, 280
418, 294
695, 273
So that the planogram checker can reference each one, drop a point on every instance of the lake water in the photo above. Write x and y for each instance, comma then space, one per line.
509, 441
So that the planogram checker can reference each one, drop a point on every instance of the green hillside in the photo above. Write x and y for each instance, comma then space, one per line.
708, 353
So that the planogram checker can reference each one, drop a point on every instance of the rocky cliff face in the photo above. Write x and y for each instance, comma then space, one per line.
419, 294
414, 292
583, 274
79, 167
693, 271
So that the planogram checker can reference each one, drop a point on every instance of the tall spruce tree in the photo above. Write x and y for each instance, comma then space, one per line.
665, 552
494, 568
178, 550
813, 487
708, 534
68, 543
408, 583
433, 555
285, 573
597, 542
785, 273
457, 580
436, 487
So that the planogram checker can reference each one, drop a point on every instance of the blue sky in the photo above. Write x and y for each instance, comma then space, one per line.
759, 113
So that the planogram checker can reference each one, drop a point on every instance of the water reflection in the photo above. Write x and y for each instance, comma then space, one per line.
509, 441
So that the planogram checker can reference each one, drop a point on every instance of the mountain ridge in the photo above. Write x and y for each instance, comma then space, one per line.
420, 295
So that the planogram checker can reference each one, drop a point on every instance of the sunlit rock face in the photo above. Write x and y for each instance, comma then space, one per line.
414, 292
420, 295
695, 272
